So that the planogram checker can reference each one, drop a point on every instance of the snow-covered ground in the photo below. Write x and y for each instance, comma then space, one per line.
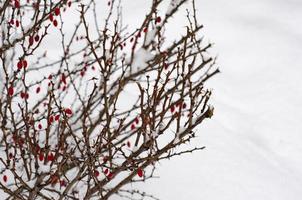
253, 143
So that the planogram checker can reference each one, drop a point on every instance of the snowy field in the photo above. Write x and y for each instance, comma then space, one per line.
253, 143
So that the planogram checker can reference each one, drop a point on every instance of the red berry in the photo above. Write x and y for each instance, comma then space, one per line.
158, 20
24, 63
110, 175
51, 17
69, 3
140, 172
17, 23
172, 109
63, 79
132, 126
38, 90
50, 120
96, 173
40, 126
31, 40
68, 111
11, 91
128, 144
55, 23
136, 120
17, 4
41, 156
20, 64
50, 157
5, 178
57, 11
22, 95
37, 38
106, 171
184, 105
57, 117
62, 183
145, 30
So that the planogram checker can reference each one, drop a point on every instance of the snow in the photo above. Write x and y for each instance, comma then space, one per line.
253, 148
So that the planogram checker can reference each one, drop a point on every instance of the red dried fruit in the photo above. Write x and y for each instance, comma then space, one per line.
40, 126
41, 156
110, 175
158, 20
68, 111
20, 64
37, 38
69, 3
172, 109
106, 171
5, 178
57, 11
50, 120
31, 40
24, 63
57, 117
96, 173
184, 105
132, 126
11, 91
38, 90
50, 157
63, 79
17, 23
17, 4
140, 172
22, 95
128, 144
62, 183
136, 120
55, 23
51, 17
145, 30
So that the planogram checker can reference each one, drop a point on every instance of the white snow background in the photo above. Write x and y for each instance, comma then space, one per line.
253, 142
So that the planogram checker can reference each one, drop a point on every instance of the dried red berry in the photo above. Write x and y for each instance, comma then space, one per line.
128, 144
140, 172
40, 126
24, 63
11, 91
20, 64
62, 183
41, 156
157, 20
57, 117
110, 175
106, 171
50, 120
96, 173
50, 157
38, 90
132, 126
22, 95
55, 23
17, 4
172, 109
68, 111
5, 178
37, 38
57, 11
51, 17
136, 120
17, 23
31, 40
